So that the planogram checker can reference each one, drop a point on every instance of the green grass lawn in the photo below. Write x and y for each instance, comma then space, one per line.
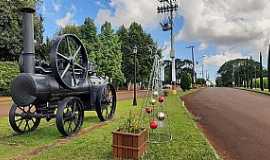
188, 142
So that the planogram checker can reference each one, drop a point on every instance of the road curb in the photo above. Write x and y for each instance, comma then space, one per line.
255, 91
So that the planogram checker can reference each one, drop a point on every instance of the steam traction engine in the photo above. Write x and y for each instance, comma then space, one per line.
62, 89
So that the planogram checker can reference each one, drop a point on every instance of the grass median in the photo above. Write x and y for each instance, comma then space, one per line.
188, 142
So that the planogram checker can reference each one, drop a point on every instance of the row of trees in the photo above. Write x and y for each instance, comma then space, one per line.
239, 72
244, 73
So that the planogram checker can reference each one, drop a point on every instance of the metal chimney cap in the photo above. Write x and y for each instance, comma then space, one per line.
28, 10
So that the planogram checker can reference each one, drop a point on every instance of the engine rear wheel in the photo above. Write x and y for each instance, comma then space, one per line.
106, 102
69, 116
23, 119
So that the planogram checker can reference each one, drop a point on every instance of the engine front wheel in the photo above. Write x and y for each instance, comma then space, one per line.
69, 116
23, 119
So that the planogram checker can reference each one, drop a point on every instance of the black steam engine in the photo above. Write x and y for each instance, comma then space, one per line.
63, 88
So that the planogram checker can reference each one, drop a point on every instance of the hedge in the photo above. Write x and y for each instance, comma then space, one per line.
8, 70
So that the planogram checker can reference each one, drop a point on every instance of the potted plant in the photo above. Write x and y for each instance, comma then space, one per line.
130, 139
166, 92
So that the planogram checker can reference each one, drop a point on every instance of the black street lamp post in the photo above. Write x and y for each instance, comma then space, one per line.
135, 76
134, 54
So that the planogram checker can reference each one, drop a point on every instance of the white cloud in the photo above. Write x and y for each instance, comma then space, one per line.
127, 11
219, 59
227, 23
56, 6
203, 46
100, 4
67, 19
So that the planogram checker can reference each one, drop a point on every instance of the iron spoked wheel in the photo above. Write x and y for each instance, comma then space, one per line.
22, 119
68, 58
69, 116
106, 103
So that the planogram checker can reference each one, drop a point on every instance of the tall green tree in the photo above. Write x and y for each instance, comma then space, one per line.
183, 66
89, 37
126, 53
11, 28
109, 57
71, 29
135, 35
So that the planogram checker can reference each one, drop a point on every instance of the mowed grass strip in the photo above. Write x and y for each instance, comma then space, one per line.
12, 145
188, 142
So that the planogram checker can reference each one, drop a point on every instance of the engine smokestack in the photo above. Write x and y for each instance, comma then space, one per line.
28, 54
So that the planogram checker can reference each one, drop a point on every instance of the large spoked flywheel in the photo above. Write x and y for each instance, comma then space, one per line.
68, 58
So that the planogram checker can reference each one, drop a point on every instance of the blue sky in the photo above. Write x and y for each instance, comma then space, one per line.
215, 31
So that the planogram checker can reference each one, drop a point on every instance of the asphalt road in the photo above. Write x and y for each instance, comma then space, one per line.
5, 102
236, 122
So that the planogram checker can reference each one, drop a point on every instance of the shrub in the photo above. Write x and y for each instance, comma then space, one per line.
186, 81
201, 81
8, 71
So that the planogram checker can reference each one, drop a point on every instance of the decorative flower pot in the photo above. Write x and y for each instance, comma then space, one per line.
129, 145
166, 93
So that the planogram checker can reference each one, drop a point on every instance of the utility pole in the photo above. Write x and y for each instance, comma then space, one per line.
135, 76
261, 73
250, 73
255, 77
268, 69
233, 77
169, 6
193, 63
245, 73
202, 70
